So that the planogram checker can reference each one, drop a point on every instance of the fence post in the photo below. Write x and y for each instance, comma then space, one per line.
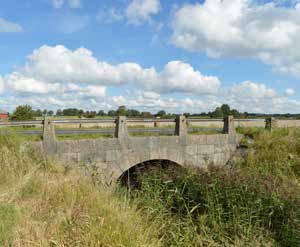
181, 126
49, 137
229, 125
156, 123
121, 127
270, 123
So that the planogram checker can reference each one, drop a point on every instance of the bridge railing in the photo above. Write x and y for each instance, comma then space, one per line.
121, 127
117, 127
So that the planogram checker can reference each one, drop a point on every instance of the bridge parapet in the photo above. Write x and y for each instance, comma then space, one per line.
114, 156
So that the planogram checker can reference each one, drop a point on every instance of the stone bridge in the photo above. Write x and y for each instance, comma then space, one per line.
114, 156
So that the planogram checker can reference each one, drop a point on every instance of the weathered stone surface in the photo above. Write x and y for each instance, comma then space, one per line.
181, 126
205, 149
112, 157
229, 125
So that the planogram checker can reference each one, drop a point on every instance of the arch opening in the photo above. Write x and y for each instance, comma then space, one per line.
132, 178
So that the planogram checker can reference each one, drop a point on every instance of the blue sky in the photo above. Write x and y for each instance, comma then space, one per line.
149, 54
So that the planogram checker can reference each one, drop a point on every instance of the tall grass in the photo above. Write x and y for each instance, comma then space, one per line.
44, 204
253, 203
257, 203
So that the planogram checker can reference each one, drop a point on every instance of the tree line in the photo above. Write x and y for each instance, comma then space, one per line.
26, 112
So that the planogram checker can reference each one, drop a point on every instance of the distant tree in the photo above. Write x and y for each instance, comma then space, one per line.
235, 113
45, 112
50, 113
80, 113
204, 114
112, 113
132, 113
226, 110
146, 115
38, 113
90, 114
122, 111
59, 112
71, 112
217, 113
187, 114
101, 113
22, 113
161, 113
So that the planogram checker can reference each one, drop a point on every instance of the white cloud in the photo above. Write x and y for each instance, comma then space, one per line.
150, 95
22, 84
27, 85
251, 90
57, 3
136, 13
92, 91
9, 27
289, 92
255, 97
241, 28
74, 4
61, 65
1, 86
178, 76
56, 77
109, 15
259, 99
139, 11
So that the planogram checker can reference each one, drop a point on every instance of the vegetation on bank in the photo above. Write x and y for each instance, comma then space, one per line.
45, 204
253, 202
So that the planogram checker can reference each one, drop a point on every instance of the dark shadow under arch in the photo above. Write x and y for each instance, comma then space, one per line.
131, 177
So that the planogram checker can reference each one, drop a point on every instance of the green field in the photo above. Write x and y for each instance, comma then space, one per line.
24, 137
255, 203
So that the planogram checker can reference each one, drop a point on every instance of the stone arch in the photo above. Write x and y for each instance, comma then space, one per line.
129, 177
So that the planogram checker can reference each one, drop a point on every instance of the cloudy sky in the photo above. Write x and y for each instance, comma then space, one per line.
174, 55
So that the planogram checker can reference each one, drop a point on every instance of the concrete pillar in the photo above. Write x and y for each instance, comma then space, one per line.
156, 124
121, 127
229, 127
181, 126
49, 137
270, 123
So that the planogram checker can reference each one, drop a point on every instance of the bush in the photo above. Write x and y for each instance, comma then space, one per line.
22, 113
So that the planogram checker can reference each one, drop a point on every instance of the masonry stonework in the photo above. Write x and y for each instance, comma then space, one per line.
114, 156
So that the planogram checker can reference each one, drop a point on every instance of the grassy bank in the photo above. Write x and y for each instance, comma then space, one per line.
45, 204
256, 203
253, 203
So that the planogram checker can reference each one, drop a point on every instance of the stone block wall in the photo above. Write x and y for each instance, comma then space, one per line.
114, 156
